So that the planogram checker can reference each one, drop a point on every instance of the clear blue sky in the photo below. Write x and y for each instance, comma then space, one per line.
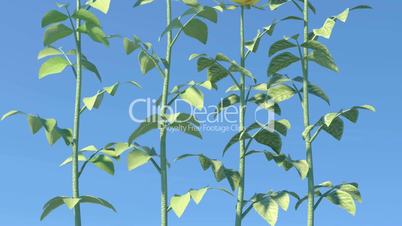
366, 49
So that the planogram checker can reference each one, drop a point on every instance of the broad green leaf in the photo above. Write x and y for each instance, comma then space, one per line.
217, 73
335, 129
49, 51
144, 127
268, 209
188, 128
281, 93
87, 16
279, 46
274, 4
57, 202
281, 61
209, 13
104, 163
147, 63
56, 32
81, 158
326, 30
236, 138
180, 203
282, 199
111, 90
317, 91
52, 66
197, 29
142, 2
53, 17
343, 200
197, 195
97, 201
182, 117
270, 139
287, 163
137, 158
92, 68
96, 33
93, 102
35, 122
175, 24
353, 190
101, 5
194, 97
227, 101
204, 62
321, 55
130, 46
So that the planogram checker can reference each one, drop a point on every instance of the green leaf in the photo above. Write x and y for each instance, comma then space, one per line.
343, 200
274, 4
148, 125
52, 66
197, 195
49, 51
321, 55
146, 62
130, 46
279, 46
142, 2
317, 91
56, 32
194, 97
57, 202
10, 113
137, 158
93, 102
281, 93
96, 33
35, 122
209, 13
68, 160
197, 29
281, 61
227, 101
98, 201
204, 62
104, 163
92, 68
187, 127
283, 200
270, 139
179, 203
335, 129
287, 163
353, 190
101, 5
53, 17
87, 16
268, 209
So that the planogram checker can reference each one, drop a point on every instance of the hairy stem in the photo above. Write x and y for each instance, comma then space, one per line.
242, 162
306, 116
163, 129
76, 128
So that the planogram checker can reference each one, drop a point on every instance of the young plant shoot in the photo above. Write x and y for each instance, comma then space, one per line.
59, 25
268, 134
311, 50
192, 23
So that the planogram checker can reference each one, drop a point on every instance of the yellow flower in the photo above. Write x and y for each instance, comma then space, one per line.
246, 2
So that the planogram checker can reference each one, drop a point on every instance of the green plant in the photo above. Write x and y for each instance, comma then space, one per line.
346, 194
220, 67
60, 25
191, 23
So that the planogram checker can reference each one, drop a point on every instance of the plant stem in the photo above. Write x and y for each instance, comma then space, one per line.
76, 129
242, 160
306, 116
163, 129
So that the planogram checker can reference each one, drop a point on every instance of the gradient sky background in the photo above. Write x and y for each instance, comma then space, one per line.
366, 49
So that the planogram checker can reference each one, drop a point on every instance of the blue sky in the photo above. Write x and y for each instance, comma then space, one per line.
366, 49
